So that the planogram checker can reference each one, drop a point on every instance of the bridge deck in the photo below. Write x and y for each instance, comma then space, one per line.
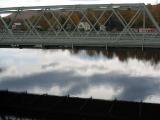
82, 40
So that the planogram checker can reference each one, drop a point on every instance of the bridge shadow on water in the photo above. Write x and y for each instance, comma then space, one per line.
46, 107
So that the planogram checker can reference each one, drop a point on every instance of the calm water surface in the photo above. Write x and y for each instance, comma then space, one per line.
122, 74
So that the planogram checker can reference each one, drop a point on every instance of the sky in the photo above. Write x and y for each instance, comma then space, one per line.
13, 3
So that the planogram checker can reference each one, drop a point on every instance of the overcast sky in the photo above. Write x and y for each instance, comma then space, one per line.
8, 3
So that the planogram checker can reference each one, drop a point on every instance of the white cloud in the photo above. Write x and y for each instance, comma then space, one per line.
153, 99
102, 92
58, 60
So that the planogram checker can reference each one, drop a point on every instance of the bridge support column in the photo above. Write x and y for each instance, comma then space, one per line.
106, 47
72, 46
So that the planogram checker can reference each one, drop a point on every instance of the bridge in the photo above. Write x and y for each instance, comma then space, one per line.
98, 25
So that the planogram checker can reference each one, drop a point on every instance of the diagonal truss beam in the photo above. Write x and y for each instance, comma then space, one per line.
122, 22
131, 22
7, 28
151, 18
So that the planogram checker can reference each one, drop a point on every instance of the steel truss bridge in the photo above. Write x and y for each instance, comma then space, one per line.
79, 25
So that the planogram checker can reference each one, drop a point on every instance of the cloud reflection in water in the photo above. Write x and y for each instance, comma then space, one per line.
60, 72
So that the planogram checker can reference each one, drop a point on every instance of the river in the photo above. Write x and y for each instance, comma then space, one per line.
123, 74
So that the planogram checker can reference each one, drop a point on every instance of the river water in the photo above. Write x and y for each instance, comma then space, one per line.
123, 74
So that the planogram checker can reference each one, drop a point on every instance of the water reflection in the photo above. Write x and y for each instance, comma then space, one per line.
1, 70
122, 74
152, 55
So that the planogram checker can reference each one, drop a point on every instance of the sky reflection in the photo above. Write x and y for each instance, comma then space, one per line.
80, 73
